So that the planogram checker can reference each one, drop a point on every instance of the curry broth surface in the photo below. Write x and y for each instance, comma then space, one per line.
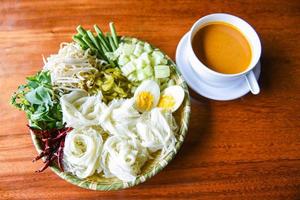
222, 48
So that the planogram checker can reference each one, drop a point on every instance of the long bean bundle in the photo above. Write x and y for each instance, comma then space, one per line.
101, 45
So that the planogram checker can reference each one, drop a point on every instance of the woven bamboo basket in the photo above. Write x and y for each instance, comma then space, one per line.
153, 166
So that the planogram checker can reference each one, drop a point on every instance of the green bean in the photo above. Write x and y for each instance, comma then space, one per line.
78, 40
78, 35
93, 39
101, 54
103, 42
111, 42
102, 37
100, 44
114, 34
103, 48
98, 31
81, 30
86, 39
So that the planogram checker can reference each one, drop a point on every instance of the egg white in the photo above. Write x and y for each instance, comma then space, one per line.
177, 93
151, 87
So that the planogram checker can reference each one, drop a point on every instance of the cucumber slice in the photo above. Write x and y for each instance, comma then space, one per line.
157, 57
128, 68
123, 60
147, 47
138, 49
162, 71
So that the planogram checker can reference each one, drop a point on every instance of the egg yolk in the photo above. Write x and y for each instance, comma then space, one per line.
144, 101
166, 101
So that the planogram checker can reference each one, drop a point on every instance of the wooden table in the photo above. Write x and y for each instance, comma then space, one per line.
248, 148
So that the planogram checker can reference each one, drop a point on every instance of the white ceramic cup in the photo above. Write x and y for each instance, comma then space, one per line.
226, 80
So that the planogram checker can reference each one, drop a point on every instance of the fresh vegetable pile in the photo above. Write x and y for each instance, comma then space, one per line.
103, 105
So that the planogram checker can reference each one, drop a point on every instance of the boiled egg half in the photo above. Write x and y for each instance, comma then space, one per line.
146, 96
171, 98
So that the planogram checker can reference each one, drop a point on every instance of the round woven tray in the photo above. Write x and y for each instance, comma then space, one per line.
152, 167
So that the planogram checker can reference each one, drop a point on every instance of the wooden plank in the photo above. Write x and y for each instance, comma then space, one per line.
248, 148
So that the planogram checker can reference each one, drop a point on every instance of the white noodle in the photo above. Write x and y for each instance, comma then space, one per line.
156, 130
81, 110
123, 158
119, 118
82, 151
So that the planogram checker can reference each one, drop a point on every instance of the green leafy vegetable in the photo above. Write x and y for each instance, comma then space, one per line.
39, 102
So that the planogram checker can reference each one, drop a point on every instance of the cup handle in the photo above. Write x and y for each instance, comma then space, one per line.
252, 83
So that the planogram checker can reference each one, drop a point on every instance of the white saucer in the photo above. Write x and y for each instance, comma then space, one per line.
200, 86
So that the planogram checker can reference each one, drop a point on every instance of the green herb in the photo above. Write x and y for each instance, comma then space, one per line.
39, 102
